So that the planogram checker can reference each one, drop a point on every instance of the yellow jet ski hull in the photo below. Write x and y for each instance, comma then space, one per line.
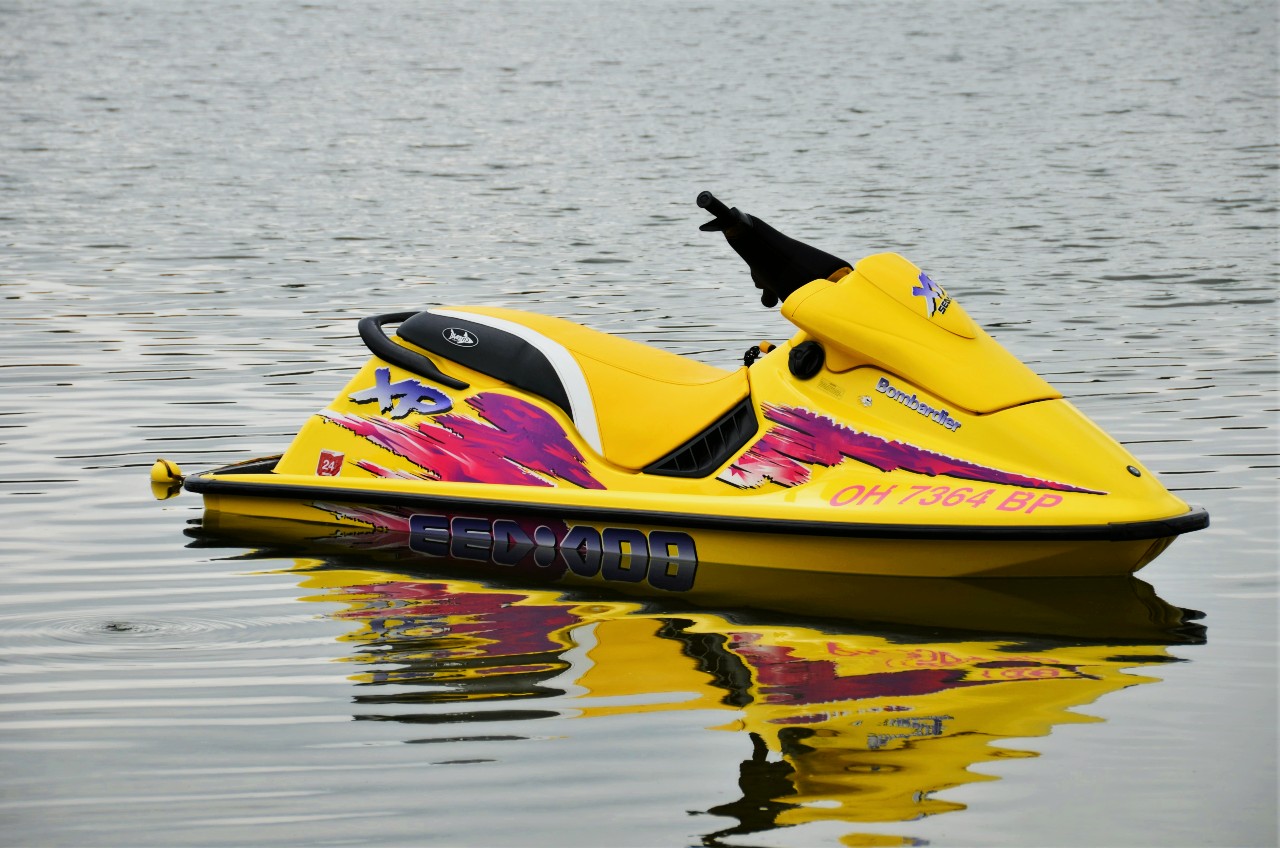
891, 436
505, 477
665, 550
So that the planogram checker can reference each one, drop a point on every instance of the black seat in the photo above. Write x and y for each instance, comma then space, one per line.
491, 351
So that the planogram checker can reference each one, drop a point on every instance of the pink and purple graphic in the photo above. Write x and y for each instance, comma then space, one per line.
512, 442
442, 621
388, 519
784, 678
800, 439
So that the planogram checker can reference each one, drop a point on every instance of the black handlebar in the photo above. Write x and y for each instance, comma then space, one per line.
779, 264
707, 201
728, 221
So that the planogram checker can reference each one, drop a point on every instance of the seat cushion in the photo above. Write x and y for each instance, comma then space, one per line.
633, 403
503, 354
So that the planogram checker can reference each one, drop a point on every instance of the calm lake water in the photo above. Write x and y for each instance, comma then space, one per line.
199, 200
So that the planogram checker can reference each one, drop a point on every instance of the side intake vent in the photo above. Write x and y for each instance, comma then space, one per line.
711, 448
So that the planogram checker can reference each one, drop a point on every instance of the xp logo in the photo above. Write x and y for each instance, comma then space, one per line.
461, 338
935, 299
402, 397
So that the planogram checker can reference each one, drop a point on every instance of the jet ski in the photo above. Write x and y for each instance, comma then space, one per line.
889, 436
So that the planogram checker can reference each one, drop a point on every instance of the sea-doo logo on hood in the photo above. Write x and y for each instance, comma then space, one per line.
935, 298
461, 338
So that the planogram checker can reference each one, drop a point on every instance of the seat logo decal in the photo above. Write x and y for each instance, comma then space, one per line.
459, 337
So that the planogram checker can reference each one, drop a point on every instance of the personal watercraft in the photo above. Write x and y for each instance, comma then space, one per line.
890, 436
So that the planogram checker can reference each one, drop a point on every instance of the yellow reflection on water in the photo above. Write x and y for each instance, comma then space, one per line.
840, 722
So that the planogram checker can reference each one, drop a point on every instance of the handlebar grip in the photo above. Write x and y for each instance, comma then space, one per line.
707, 201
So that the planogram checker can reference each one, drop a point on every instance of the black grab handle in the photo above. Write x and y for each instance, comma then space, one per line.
410, 360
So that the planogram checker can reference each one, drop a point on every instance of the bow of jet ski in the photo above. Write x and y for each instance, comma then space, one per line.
889, 436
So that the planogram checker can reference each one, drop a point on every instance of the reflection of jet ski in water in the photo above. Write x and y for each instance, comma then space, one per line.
889, 436
842, 723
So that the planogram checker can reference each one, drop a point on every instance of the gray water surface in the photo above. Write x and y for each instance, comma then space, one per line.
199, 200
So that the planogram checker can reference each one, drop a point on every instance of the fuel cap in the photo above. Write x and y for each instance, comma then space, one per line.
806, 359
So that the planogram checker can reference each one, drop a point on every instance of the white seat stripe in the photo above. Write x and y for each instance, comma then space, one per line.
566, 368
